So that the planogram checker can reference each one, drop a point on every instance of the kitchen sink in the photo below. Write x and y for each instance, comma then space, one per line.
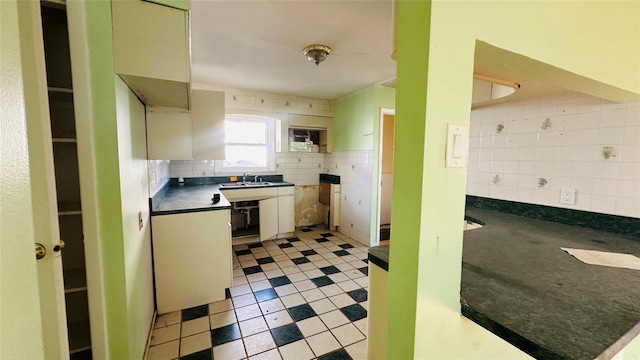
245, 184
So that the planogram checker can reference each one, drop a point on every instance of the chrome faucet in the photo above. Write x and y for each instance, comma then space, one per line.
244, 177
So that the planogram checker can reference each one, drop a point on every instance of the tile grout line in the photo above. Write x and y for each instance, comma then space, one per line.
305, 241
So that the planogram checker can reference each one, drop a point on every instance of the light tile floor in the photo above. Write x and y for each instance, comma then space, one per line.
299, 298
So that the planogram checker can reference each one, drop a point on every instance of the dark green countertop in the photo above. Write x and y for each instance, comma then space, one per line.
193, 198
379, 255
519, 284
184, 199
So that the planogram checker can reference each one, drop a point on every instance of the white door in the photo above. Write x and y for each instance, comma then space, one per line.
32, 290
385, 174
268, 218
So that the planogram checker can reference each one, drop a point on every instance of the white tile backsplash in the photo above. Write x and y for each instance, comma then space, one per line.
568, 153
355, 170
159, 173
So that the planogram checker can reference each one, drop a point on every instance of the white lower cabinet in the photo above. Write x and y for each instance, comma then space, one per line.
268, 218
286, 210
168, 134
192, 258
276, 208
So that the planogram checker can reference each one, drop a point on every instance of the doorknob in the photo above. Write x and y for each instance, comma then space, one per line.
59, 247
40, 251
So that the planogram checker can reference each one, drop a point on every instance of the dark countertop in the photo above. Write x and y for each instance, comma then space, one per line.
194, 198
184, 199
519, 284
379, 255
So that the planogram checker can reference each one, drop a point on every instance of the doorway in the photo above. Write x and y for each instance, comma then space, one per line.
385, 191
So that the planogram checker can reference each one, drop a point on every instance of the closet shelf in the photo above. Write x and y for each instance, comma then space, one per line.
74, 280
64, 140
61, 90
69, 208
79, 336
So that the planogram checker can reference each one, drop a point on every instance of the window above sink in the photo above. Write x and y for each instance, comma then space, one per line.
249, 144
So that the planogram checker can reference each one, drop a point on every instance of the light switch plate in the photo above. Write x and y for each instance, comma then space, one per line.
457, 140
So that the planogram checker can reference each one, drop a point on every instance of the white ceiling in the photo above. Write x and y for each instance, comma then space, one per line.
257, 45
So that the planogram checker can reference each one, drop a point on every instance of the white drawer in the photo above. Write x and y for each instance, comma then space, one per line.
285, 190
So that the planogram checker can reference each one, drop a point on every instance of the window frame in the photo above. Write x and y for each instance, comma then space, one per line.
269, 144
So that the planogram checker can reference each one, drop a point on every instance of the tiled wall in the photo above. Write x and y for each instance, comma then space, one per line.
286, 104
354, 168
527, 150
300, 168
159, 174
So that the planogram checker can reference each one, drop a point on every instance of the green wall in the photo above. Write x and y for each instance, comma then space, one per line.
356, 126
353, 120
436, 44
114, 185
413, 54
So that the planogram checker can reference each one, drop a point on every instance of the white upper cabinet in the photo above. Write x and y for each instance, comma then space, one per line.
168, 134
151, 51
309, 121
176, 134
207, 124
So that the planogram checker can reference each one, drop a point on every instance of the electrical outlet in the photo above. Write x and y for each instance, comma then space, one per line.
568, 196
199, 169
140, 223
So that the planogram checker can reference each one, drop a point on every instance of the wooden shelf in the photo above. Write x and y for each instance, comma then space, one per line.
75, 280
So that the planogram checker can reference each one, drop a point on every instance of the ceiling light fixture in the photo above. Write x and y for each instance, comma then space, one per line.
316, 53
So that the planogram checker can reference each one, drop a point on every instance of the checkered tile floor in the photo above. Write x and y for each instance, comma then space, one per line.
299, 298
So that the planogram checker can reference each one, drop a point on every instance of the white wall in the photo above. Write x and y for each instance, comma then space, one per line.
509, 164
134, 191
355, 170
20, 310
301, 168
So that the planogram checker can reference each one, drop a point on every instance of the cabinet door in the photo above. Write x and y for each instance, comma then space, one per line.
268, 218
151, 41
308, 121
329, 136
207, 124
168, 135
191, 255
151, 51
286, 214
